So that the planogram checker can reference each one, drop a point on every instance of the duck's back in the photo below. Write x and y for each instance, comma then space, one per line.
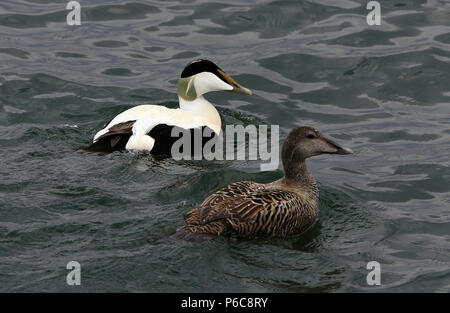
247, 209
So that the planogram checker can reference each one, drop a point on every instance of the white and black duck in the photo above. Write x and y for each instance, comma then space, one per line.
149, 127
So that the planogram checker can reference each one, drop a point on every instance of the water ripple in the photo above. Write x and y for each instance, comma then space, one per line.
383, 91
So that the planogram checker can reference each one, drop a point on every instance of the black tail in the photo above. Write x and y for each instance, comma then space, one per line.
107, 145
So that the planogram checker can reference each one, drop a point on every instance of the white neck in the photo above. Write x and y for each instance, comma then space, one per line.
202, 107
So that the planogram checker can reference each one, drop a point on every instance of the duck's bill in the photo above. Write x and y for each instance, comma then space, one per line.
339, 148
242, 90
343, 150
236, 87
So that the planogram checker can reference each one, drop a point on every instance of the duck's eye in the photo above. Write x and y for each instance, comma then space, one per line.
311, 136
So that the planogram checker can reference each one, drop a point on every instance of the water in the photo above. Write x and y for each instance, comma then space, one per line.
381, 90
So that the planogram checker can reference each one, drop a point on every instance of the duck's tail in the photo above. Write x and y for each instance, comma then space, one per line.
188, 234
107, 145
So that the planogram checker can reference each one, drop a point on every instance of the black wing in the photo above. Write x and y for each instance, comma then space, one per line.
114, 140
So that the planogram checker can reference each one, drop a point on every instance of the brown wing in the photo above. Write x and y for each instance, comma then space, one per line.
225, 195
257, 210
125, 128
115, 139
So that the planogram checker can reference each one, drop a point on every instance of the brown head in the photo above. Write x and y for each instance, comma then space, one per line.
304, 142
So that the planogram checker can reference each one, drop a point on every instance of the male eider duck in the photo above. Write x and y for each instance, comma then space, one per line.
282, 208
148, 127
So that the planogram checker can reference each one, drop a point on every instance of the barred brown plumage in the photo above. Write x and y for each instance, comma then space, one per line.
282, 208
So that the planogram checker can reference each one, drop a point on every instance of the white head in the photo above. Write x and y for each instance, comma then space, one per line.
202, 76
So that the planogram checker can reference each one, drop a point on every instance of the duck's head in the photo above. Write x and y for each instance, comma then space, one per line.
304, 142
202, 76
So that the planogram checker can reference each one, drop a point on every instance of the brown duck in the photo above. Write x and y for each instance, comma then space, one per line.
282, 208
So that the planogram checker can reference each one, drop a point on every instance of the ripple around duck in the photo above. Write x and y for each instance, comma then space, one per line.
382, 91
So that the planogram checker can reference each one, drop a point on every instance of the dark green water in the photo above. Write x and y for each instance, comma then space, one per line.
381, 90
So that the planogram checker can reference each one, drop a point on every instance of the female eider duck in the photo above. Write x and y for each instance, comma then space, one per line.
282, 208
149, 127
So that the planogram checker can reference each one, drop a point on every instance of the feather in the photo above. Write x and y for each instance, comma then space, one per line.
244, 208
